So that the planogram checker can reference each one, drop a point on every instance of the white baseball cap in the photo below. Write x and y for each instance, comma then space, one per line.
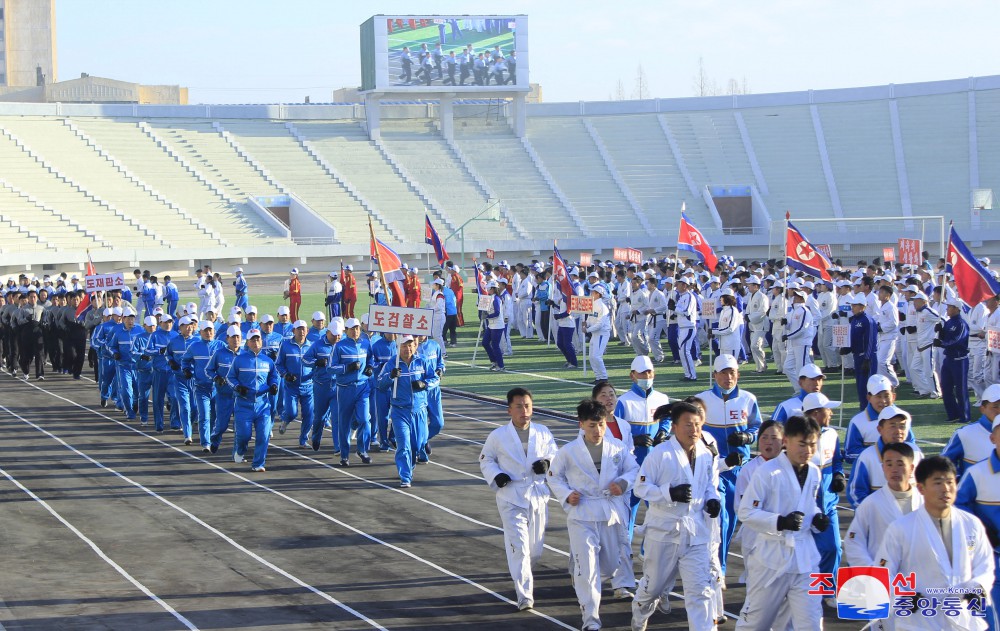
233, 319
349, 268
333, 274
267, 319
439, 281
598, 288
642, 363
295, 270
990, 394
158, 311
878, 383
817, 400
724, 361
492, 284
253, 333
189, 306
149, 321
892, 411
233, 330
116, 311
251, 309
336, 327
167, 318
858, 299
184, 320
318, 315
351, 323
406, 338
129, 312
300, 324
205, 324
810, 371
108, 312
955, 302
283, 310
920, 296
239, 270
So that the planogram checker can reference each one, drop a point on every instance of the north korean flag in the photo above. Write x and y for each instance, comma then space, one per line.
803, 256
560, 274
974, 282
391, 268
690, 239
431, 238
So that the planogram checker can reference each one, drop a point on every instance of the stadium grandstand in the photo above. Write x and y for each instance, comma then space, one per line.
280, 183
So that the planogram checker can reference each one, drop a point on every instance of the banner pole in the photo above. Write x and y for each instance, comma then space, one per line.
840, 420
395, 382
475, 349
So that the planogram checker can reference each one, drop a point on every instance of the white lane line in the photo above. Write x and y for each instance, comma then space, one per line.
298, 503
191, 516
97, 550
519, 372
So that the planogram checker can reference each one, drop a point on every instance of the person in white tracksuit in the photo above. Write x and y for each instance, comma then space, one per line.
598, 326
826, 304
437, 303
730, 324
623, 292
507, 308
686, 310
679, 479
757, 316
637, 325
522, 306
978, 326
887, 320
780, 507
922, 365
514, 461
945, 548
656, 324
798, 334
589, 476
777, 314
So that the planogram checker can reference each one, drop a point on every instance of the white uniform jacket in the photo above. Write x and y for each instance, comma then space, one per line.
503, 453
573, 470
874, 514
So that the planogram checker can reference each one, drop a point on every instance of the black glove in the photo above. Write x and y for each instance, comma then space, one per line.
321, 362
913, 329
541, 467
835, 315
628, 301
902, 317
188, 374
418, 386
993, 536
394, 373
163, 351
550, 303
642, 440
838, 483
367, 372
938, 327
174, 365
681, 493
145, 358
879, 327
738, 439
220, 381
272, 389
242, 390
784, 322
938, 343
734, 459
791, 521
784, 338
353, 367
116, 355
820, 522
501, 480
713, 507
439, 372
671, 304
845, 351
290, 378
661, 436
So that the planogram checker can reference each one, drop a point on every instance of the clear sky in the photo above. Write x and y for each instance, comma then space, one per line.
268, 51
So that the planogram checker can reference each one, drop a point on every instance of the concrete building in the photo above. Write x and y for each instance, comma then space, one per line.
27, 42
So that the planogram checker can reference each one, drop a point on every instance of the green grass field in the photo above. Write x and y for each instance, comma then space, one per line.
539, 368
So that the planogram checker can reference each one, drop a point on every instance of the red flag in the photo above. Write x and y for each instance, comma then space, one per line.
690, 239
560, 274
84, 307
390, 268
431, 238
803, 256
973, 282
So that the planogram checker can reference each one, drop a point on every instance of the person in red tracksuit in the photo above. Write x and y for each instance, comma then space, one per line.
294, 294
457, 283
412, 288
350, 291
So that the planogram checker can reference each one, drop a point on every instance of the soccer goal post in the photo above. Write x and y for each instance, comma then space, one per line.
864, 238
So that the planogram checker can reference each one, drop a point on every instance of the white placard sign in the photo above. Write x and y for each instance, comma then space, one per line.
708, 308
400, 320
104, 282
485, 302
841, 335
993, 340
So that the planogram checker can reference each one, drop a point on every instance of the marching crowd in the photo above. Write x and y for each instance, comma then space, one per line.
201, 367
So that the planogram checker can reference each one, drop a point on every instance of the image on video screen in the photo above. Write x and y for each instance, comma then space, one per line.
469, 51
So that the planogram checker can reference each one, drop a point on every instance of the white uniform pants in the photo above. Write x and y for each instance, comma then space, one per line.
977, 369
798, 355
830, 355
886, 349
757, 340
925, 379
993, 367
595, 550
505, 346
662, 561
686, 340
778, 347
655, 328
598, 344
623, 324
730, 345
769, 589
522, 309
638, 335
437, 329
523, 537
906, 349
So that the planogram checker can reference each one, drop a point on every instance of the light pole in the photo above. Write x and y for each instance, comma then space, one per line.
492, 207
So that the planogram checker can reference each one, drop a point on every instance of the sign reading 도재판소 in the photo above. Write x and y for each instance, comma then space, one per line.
104, 282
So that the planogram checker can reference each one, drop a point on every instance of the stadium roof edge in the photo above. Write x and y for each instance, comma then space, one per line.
302, 111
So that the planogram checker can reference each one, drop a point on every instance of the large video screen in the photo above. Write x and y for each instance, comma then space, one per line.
444, 53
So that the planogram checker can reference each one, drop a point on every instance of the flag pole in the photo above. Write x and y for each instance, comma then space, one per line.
479, 330
784, 286
677, 252
378, 261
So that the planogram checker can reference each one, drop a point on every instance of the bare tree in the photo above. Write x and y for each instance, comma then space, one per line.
641, 90
736, 86
702, 84
620, 91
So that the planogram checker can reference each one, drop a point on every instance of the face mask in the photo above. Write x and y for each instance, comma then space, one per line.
727, 392
644, 384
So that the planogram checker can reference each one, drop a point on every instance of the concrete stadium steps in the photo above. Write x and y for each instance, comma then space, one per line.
784, 141
502, 161
16, 238
935, 133
56, 230
859, 144
28, 174
988, 133
642, 155
425, 154
345, 145
576, 165
274, 147
711, 147
63, 149
227, 216
205, 149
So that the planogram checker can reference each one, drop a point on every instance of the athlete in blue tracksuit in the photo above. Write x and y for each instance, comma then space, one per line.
142, 354
183, 385
383, 350
272, 342
254, 379
225, 399
100, 340
317, 357
350, 362
979, 494
240, 286
864, 348
298, 387
954, 339
407, 385
334, 296
163, 376
120, 342
170, 296
433, 353
195, 362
